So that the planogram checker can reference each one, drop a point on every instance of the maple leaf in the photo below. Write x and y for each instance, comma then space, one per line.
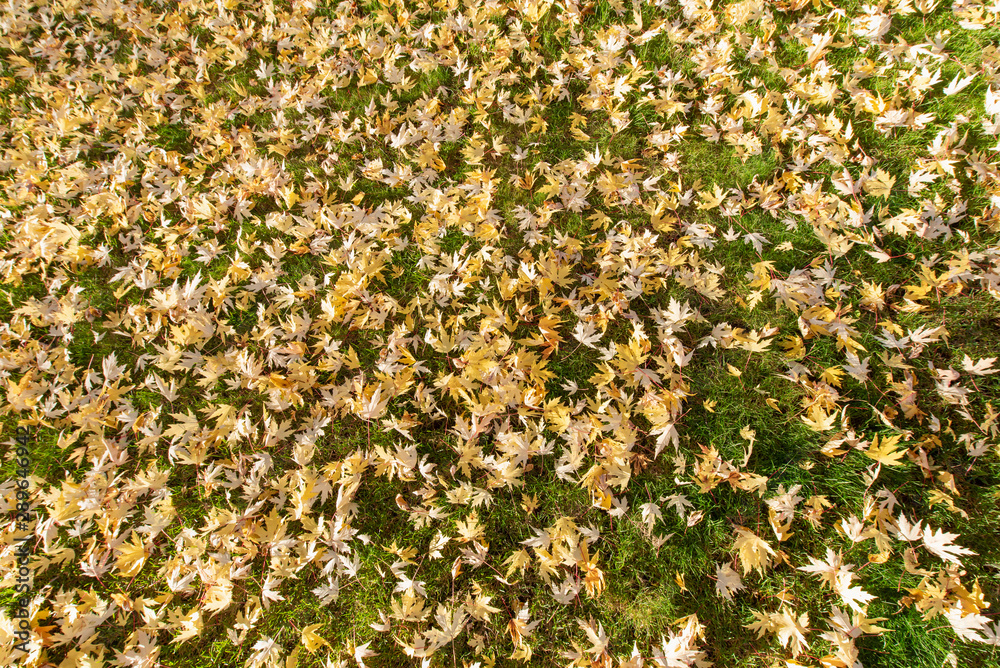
450, 625
819, 420
711, 200
827, 570
372, 408
754, 552
678, 650
855, 597
565, 592
991, 634
520, 627
265, 651
757, 240
791, 630
478, 606
958, 84
327, 593
587, 334
906, 531
763, 623
311, 640
981, 367
679, 503
132, 556
190, 626
886, 452
361, 652
650, 513
880, 185
967, 625
940, 544
666, 434
727, 581
470, 529
597, 637
857, 368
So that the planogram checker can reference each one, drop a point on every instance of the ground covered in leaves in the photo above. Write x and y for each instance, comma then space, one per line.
475, 333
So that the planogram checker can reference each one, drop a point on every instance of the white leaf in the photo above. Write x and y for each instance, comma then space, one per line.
957, 84
587, 334
727, 581
940, 543
980, 367
966, 627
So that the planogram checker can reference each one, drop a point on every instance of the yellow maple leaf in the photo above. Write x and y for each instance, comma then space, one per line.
881, 185
133, 556
818, 419
885, 451
754, 551
311, 640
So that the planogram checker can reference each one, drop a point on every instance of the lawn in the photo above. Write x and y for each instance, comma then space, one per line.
499, 333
